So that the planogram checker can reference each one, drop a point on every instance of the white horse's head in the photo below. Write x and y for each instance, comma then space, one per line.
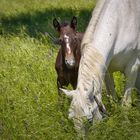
84, 107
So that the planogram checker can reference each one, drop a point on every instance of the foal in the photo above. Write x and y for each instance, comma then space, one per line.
68, 58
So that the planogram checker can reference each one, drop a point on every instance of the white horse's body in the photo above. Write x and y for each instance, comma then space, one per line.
111, 43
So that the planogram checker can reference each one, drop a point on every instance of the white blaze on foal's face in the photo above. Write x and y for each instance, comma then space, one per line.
69, 57
66, 38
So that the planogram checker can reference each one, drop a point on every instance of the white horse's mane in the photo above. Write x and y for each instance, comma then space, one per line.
89, 63
89, 86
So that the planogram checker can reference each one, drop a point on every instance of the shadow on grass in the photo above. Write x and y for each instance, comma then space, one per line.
38, 22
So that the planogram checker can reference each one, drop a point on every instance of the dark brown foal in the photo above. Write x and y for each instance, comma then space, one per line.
68, 58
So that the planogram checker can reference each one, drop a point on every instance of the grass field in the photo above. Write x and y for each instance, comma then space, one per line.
29, 108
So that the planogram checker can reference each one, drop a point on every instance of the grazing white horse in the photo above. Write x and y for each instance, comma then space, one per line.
111, 43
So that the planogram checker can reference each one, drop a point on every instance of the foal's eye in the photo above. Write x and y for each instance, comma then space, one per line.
75, 38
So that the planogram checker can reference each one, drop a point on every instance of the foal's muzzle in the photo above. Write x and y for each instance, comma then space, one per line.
70, 63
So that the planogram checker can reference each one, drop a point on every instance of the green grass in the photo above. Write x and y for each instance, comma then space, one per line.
29, 108
28, 99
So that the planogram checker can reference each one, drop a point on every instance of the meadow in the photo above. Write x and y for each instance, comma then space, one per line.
29, 108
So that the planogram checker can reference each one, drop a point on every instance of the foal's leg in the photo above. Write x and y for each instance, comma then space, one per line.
73, 79
131, 75
61, 83
74, 84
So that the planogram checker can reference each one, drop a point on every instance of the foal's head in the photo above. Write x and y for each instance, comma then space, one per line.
67, 40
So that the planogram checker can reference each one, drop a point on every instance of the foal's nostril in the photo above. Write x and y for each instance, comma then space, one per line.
66, 61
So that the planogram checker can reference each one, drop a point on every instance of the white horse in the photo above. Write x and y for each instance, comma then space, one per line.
111, 43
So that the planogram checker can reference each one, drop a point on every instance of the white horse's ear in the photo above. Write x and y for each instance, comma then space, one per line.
67, 92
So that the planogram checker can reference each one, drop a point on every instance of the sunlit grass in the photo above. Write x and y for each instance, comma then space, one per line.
29, 107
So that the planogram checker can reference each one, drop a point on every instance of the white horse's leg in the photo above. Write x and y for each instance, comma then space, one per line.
131, 72
110, 86
137, 84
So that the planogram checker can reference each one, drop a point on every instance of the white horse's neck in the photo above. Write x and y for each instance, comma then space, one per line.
106, 37
97, 45
92, 24
102, 30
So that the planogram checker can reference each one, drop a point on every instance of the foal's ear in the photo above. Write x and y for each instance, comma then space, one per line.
74, 22
56, 24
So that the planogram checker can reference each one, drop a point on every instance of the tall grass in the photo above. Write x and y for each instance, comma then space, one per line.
29, 107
